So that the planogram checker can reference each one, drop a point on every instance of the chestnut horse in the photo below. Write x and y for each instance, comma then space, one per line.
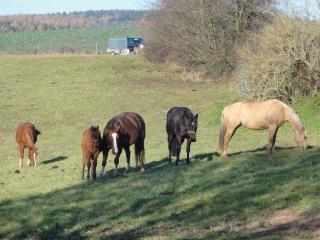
91, 147
121, 132
260, 115
26, 137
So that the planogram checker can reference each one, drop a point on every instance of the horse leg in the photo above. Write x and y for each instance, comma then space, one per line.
136, 155
230, 132
84, 162
35, 158
29, 157
178, 142
141, 156
21, 155
94, 165
170, 139
104, 161
272, 138
127, 149
88, 166
116, 162
188, 150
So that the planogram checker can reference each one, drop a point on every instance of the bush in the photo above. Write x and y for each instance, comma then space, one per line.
202, 35
282, 62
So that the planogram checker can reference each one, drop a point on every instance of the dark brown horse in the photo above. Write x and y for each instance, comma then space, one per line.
181, 125
26, 137
121, 132
91, 147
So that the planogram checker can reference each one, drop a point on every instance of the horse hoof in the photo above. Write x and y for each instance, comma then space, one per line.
142, 170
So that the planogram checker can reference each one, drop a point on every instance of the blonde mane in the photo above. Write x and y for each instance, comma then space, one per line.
293, 118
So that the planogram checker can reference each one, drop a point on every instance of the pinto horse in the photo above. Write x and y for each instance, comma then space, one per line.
260, 115
181, 125
26, 137
91, 147
121, 132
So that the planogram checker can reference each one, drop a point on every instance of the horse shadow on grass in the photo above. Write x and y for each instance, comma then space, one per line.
158, 203
55, 159
164, 163
263, 150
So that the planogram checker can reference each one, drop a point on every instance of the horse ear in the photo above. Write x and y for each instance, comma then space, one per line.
196, 117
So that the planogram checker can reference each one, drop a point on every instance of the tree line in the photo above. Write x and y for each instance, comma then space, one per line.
77, 19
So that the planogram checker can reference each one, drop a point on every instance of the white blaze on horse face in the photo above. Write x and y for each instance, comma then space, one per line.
114, 136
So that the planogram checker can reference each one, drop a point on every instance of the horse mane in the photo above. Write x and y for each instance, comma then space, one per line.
293, 118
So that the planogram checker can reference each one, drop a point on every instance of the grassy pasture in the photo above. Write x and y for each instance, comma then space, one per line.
251, 195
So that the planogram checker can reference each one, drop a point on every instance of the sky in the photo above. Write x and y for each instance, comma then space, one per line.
9, 7
301, 7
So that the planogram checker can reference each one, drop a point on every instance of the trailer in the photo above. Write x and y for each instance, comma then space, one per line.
124, 46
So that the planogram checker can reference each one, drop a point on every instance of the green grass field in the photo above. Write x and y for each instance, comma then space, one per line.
251, 195
56, 41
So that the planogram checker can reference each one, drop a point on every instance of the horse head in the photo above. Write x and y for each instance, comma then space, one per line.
192, 128
115, 129
96, 137
301, 138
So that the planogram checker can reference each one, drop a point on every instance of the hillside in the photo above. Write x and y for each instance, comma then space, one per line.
250, 195
72, 20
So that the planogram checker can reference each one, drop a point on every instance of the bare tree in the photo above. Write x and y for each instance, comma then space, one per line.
203, 34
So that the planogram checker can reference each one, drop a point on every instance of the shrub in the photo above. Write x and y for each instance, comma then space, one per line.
202, 35
282, 62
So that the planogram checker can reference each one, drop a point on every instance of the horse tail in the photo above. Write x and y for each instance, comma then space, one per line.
174, 148
223, 130
136, 154
139, 154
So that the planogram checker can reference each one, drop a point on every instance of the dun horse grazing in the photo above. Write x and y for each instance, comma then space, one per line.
26, 137
121, 132
260, 115
181, 125
91, 147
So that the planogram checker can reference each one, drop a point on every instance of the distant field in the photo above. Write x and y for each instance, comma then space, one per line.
59, 41
250, 195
